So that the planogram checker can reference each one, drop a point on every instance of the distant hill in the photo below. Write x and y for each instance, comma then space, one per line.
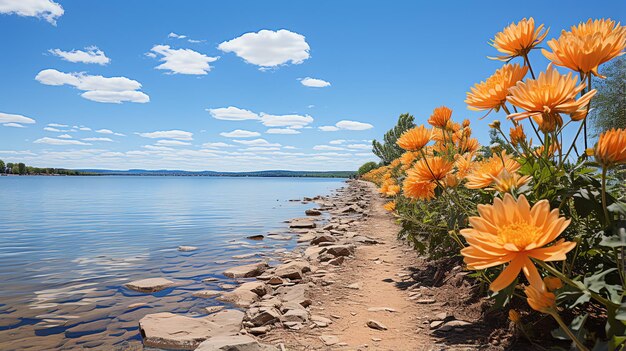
270, 173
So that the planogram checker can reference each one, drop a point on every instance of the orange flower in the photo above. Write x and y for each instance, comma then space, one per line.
492, 93
506, 182
546, 97
414, 139
540, 300
464, 164
466, 123
469, 145
390, 206
407, 159
588, 46
552, 149
514, 316
552, 283
517, 135
416, 189
518, 39
510, 231
392, 190
611, 148
484, 173
431, 169
440, 117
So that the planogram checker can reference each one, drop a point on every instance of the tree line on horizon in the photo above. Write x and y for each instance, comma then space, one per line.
22, 169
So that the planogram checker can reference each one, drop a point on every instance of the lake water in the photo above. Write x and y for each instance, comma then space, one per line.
68, 245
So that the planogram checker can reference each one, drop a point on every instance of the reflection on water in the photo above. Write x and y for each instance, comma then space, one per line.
68, 245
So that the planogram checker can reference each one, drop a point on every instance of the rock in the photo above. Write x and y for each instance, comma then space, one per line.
293, 294
207, 293
378, 309
293, 325
312, 212
187, 248
226, 286
275, 236
441, 316
364, 240
275, 281
436, 324
355, 286
234, 343
306, 237
244, 256
137, 305
259, 330
255, 237
340, 250
292, 270
150, 285
329, 340
262, 316
301, 223
245, 294
295, 315
171, 331
337, 261
246, 271
87, 328
320, 321
376, 325
426, 301
213, 309
453, 325
323, 239
209, 280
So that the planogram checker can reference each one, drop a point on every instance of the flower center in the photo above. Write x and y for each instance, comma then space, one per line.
520, 234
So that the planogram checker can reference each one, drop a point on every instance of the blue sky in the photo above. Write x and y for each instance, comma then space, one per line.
185, 63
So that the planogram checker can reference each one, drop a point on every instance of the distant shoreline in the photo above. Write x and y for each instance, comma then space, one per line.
307, 175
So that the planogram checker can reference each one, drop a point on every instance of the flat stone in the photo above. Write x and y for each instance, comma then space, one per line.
246, 271
337, 261
426, 301
259, 330
263, 316
380, 309
321, 321
323, 239
354, 286
455, 324
340, 250
295, 315
255, 237
177, 332
329, 340
244, 256
292, 270
301, 223
187, 248
436, 324
312, 212
213, 309
234, 343
150, 285
206, 293
376, 325
274, 236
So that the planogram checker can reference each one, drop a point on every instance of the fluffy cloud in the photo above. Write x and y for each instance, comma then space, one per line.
282, 131
53, 141
346, 125
232, 113
359, 146
257, 142
314, 82
168, 134
293, 121
172, 143
85, 129
108, 131
337, 141
50, 129
91, 55
327, 148
216, 145
177, 36
65, 136
57, 125
15, 121
97, 88
98, 139
183, 61
46, 9
239, 133
268, 48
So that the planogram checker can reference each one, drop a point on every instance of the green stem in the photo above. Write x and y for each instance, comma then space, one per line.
569, 333
604, 208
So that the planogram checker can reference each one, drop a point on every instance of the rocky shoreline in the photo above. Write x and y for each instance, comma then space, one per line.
267, 297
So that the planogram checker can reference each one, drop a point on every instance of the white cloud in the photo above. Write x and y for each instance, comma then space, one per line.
53, 141
10, 120
268, 48
97, 88
177, 36
65, 136
314, 82
359, 147
91, 55
289, 147
257, 142
46, 9
168, 134
232, 113
346, 125
293, 121
262, 148
239, 133
172, 143
183, 61
85, 129
50, 129
216, 145
337, 141
98, 139
327, 148
158, 148
282, 131
353, 125
108, 131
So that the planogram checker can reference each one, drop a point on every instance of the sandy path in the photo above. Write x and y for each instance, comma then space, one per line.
379, 270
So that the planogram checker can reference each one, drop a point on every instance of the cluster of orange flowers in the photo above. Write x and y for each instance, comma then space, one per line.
444, 156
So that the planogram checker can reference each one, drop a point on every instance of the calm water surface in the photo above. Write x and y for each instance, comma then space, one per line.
68, 245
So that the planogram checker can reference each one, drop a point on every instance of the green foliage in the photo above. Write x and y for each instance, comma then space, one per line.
609, 104
2, 166
366, 167
388, 151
